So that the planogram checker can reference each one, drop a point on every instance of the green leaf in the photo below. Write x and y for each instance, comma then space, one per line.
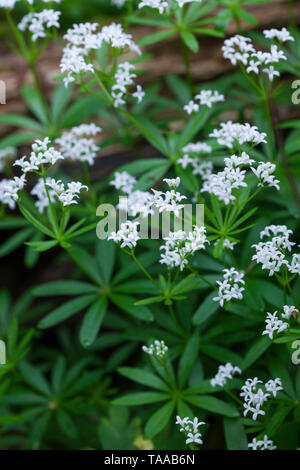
66, 423
59, 101
150, 300
190, 40
143, 377
35, 103
92, 322
35, 222
258, 348
42, 246
20, 121
142, 398
106, 251
214, 405
33, 376
64, 288
206, 309
187, 359
156, 37
87, 263
15, 241
66, 311
18, 138
235, 435
126, 303
159, 420
247, 16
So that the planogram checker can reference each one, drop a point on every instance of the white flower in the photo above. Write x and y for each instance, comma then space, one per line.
83, 38
9, 190
191, 107
265, 444
76, 146
137, 203
274, 325
289, 311
161, 5
37, 23
230, 287
294, 266
157, 349
56, 190
197, 147
255, 397
281, 34
274, 386
180, 245
173, 182
271, 253
204, 98
271, 72
253, 66
139, 94
41, 154
169, 201
190, 429
123, 181
127, 235
232, 177
235, 134
264, 174
224, 373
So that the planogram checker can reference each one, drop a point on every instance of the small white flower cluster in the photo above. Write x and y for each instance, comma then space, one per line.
9, 190
82, 39
76, 146
157, 349
123, 181
11, 3
163, 6
37, 23
255, 395
233, 135
190, 429
124, 78
280, 34
6, 155
224, 373
180, 245
228, 244
204, 98
127, 235
66, 196
231, 287
169, 201
275, 325
196, 148
137, 203
232, 177
264, 173
272, 253
42, 154
224, 182
200, 167
264, 444
239, 49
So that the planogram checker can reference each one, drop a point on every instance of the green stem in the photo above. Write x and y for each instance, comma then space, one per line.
144, 270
